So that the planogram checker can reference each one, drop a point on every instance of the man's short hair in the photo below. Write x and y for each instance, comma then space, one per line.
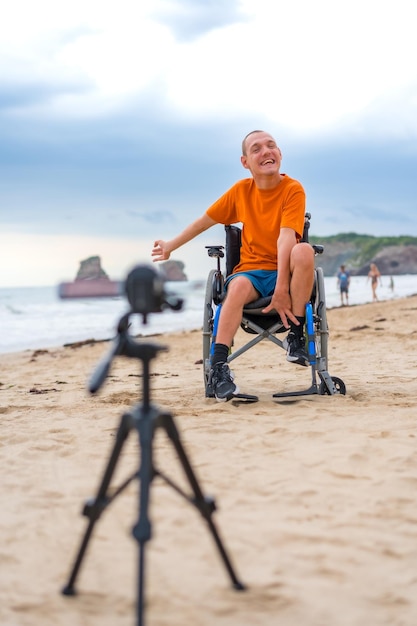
248, 135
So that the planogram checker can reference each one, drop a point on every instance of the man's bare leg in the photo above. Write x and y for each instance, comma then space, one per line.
302, 277
239, 292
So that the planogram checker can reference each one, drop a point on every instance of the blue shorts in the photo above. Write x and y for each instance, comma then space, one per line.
264, 281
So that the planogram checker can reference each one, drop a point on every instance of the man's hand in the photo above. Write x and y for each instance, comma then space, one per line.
160, 251
281, 303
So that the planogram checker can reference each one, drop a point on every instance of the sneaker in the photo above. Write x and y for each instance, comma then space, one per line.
221, 381
296, 352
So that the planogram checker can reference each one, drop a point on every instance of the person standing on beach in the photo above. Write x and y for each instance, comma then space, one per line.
273, 260
391, 284
343, 281
375, 277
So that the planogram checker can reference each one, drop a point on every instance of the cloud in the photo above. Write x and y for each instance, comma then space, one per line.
128, 123
92, 178
305, 66
190, 19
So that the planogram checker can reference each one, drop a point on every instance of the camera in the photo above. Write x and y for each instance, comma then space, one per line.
145, 292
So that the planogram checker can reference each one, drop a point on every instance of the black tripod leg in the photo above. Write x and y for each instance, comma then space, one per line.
206, 506
142, 530
93, 509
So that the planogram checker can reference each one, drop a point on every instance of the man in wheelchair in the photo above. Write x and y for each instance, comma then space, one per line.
273, 260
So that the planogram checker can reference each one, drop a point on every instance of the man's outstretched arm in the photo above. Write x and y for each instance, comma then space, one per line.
162, 249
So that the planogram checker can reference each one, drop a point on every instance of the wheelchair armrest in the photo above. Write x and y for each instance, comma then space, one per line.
318, 249
215, 252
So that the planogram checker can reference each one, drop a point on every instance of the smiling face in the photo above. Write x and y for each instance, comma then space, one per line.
261, 155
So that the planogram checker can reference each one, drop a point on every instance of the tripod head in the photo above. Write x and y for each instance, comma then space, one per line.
145, 292
144, 289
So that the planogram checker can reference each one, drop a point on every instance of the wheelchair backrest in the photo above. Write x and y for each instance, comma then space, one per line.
234, 241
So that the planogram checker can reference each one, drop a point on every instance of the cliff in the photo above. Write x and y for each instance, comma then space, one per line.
394, 260
392, 255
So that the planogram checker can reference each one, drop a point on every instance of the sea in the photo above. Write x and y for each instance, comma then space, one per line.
34, 318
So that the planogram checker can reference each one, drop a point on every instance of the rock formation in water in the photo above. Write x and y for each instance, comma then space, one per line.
90, 269
173, 270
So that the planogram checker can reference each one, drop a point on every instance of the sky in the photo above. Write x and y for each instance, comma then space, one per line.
121, 122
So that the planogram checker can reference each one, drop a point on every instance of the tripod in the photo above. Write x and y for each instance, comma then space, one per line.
145, 419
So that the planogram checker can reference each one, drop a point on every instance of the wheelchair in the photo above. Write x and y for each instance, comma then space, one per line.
268, 325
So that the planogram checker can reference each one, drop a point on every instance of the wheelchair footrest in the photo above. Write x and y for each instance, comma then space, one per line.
244, 398
313, 390
238, 398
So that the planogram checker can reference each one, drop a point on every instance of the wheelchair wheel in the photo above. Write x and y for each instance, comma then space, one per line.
208, 324
339, 386
322, 329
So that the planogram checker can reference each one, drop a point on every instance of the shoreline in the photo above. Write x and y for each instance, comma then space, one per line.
92, 340
40, 320
315, 495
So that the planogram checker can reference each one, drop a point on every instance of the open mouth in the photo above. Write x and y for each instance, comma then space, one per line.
268, 162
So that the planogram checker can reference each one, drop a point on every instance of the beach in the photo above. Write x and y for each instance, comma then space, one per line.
316, 495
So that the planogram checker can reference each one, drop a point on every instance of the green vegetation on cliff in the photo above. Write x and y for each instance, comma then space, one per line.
367, 246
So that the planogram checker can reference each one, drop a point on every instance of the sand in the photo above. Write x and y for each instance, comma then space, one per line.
316, 496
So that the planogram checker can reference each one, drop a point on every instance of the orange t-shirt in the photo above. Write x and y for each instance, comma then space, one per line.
262, 214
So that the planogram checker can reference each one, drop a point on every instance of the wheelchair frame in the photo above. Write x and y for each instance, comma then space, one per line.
266, 326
